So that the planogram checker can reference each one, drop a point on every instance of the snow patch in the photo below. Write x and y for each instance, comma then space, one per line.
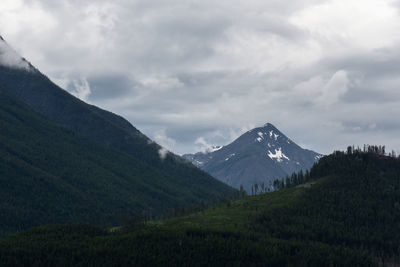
198, 163
214, 148
278, 155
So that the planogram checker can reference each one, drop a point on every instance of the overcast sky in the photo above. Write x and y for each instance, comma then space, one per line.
195, 73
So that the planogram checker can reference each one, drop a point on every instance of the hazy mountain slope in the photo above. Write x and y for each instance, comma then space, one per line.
49, 174
346, 215
42, 95
258, 156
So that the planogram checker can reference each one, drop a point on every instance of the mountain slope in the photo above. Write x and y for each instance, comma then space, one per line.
346, 215
49, 174
258, 156
33, 88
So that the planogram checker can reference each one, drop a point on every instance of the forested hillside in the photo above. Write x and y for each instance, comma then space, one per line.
345, 214
42, 95
170, 174
51, 174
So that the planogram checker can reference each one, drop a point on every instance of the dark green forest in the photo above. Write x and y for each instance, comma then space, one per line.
50, 174
345, 214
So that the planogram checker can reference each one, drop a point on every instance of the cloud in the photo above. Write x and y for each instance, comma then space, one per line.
10, 58
166, 142
316, 69
79, 88
161, 138
335, 88
203, 145
163, 152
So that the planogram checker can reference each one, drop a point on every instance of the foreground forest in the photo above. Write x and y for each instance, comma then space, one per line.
346, 214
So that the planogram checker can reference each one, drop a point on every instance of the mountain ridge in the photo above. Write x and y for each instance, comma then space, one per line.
42, 95
50, 141
51, 174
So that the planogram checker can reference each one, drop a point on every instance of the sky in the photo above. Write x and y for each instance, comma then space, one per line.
191, 74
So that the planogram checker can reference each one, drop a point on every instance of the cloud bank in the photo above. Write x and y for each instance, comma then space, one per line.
324, 72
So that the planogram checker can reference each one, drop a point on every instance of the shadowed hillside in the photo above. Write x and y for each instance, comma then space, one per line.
51, 174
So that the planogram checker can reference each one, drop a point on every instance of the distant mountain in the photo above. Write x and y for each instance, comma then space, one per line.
75, 162
258, 156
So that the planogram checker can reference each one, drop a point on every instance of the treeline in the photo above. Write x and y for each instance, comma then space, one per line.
293, 180
371, 149
289, 181
304, 177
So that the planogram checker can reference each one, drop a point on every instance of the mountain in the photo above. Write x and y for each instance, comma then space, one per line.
30, 86
62, 160
346, 214
50, 174
258, 156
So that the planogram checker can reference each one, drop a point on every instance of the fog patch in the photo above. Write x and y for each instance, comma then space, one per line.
163, 152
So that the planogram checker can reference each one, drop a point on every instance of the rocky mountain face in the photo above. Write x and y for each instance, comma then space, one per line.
258, 156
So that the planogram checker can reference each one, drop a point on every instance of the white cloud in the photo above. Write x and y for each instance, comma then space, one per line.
10, 58
366, 24
166, 143
80, 88
332, 91
161, 138
203, 146
163, 152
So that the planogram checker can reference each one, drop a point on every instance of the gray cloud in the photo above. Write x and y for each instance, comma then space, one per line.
106, 86
323, 72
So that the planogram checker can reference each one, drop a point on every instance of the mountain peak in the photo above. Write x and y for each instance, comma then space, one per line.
270, 126
258, 156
